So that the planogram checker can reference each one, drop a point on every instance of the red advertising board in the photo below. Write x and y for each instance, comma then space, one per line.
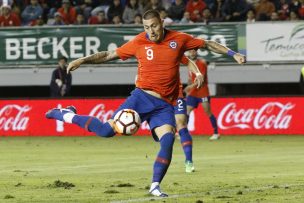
235, 116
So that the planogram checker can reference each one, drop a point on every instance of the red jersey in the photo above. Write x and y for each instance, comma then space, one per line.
193, 6
158, 63
69, 17
93, 20
301, 11
11, 20
204, 90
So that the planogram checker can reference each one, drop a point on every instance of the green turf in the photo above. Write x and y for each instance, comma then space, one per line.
233, 169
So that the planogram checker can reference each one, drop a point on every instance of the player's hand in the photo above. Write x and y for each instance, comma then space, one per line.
188, 88
199, 80
240, 58
74, 65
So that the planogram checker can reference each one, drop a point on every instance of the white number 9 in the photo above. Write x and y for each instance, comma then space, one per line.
149, 54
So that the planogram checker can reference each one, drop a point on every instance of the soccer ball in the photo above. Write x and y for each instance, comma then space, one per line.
126, 122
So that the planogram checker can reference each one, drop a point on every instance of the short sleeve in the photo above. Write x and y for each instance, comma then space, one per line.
184, 60
193, 43
127, 50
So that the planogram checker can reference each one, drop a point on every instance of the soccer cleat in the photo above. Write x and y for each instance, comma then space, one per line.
215, 137
57, 113
72, 108
189, 167
157, 192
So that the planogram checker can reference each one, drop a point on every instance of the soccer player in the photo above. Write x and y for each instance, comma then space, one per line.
196, 96
181, 117
158, 52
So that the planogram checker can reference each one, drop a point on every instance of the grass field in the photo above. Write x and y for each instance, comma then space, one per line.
91, 169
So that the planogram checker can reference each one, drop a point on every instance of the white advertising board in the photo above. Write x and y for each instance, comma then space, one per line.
275, 42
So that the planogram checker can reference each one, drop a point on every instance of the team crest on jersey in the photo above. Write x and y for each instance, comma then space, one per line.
173, 44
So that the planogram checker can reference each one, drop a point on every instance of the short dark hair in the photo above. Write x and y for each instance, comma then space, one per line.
151, 14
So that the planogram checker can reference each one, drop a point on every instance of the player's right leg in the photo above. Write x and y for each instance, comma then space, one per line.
89, 123
57, 113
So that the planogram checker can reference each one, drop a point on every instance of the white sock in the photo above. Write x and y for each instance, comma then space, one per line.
68, 117
154, 184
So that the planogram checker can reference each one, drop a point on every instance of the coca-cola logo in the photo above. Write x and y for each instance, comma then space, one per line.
99, 112
12, 117
271, 115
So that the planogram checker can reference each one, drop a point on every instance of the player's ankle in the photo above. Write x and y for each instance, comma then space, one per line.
154, 184
68, 117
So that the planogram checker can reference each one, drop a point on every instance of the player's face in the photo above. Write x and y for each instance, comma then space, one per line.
154, 28
192, 54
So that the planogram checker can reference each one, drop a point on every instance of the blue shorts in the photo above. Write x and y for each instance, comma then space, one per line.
155, 111
195, 101
180, 107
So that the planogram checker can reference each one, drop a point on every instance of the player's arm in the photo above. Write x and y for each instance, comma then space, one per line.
99, 57
190, 86
192, 67
199, 77
221, 49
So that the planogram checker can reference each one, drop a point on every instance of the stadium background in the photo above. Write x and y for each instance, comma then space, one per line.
29, 55
47, 161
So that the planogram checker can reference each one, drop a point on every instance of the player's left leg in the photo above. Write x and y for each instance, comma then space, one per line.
162, 123
207, 108
180, 111
165, 135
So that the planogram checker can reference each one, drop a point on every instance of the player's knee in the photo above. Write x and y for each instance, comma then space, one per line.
105, 130
164, 129
181, 121
180, 125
